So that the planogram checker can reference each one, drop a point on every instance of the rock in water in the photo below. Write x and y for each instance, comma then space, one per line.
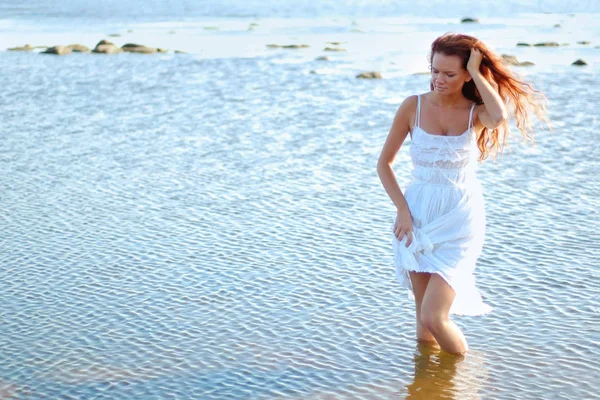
27, 47
369, 75
79, 48
138, 48
547, 44
57, 50
512, 60
106, 47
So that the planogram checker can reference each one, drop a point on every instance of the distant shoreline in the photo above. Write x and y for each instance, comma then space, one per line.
528, 40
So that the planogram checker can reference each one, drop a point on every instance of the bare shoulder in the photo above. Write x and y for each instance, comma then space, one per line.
399, 130
410, 102
406, 111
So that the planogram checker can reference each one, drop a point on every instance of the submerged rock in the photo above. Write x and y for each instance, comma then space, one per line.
322, 58
584, 42
334, 49
57, 50
469, 20
369, 75
523, 44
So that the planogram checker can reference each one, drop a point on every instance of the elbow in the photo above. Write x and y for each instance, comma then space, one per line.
382, 163
501, 119
381, 167
498, 120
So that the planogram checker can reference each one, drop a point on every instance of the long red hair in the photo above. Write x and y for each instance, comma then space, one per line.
519, 96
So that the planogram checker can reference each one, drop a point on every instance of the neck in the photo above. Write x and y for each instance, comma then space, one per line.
447, 100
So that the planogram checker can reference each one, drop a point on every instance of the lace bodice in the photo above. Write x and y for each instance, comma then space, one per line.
443, 160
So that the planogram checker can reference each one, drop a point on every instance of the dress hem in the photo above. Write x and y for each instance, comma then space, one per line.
403, 276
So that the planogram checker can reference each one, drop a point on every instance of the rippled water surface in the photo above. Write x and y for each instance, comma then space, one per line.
214, 228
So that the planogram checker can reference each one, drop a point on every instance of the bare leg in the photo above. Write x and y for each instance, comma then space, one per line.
434, 316
419, 283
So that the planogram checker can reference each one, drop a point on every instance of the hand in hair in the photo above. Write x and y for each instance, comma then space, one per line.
474, 60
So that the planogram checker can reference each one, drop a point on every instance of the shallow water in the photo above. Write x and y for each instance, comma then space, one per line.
189, 226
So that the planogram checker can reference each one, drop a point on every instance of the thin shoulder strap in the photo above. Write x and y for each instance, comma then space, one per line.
471, 115
418, 116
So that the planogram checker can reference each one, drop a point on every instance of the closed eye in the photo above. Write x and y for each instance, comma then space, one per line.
435, 71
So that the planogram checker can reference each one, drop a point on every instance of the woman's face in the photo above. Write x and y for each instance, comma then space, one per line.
447, 73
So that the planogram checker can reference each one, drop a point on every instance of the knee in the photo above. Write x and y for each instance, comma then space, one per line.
432, 321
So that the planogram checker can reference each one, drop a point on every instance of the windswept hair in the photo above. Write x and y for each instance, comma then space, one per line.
519, 96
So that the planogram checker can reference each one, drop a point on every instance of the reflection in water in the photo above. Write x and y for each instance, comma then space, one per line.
440, 375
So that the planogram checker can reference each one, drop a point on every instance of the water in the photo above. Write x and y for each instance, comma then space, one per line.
156, 10
212, 226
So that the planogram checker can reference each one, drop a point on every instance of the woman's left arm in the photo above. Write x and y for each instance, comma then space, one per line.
494, 113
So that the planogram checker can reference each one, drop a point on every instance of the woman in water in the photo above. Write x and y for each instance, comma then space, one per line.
439, 226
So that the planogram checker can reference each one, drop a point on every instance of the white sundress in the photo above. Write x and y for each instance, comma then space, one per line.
446, 204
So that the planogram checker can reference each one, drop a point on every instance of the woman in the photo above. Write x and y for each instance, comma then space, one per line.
439, 227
